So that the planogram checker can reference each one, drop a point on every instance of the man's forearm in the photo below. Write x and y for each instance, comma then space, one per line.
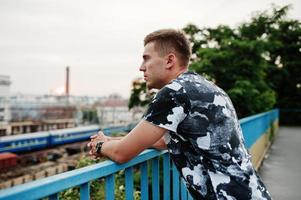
115, 152
160, 144
122, 149
116, 138
111, 150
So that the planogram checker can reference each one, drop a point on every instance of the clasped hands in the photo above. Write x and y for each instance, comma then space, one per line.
99, 137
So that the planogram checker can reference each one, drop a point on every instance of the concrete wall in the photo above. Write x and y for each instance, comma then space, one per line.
260, 147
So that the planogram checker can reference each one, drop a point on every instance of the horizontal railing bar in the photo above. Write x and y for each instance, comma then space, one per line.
257, 116
60, 182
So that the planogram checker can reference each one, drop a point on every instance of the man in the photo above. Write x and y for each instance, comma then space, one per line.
197, 120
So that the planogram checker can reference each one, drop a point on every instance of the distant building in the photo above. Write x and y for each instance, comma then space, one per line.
137, 112
4, 104
114, 111
31, 113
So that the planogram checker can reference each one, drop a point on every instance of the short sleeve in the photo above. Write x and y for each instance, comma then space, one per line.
169, 107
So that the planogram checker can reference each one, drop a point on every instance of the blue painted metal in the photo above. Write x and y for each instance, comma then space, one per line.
85, 191
183, 190
144, 181
155, 178
129, 184
54, 196
50, 185
253, 127
189, 196
166, 176
110, 187
175, 183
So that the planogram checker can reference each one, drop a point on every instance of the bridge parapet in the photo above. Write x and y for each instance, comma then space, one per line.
257, 129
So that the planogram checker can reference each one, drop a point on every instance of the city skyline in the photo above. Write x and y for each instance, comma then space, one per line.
102, 43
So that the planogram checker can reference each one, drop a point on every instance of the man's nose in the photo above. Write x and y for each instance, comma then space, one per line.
142, 68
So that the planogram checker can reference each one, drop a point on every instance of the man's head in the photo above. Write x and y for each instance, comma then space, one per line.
166, 55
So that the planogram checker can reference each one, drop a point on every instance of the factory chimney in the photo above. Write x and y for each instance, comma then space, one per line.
67, 81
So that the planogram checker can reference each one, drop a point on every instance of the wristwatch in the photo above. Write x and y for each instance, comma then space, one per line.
98, 147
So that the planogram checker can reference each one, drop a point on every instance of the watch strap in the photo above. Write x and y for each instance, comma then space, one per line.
98, 147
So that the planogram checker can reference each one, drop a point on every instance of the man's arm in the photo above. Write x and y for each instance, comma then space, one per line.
159, 145
143, 136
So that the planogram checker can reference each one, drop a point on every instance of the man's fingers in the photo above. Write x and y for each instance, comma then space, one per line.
90, 144
93, 136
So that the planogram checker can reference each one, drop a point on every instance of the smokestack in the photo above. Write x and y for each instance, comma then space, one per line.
67, 81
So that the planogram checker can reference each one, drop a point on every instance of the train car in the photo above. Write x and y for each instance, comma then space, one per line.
69, 135
24, 142
114, 129
110, 130
41, 140
130, 126
8, 160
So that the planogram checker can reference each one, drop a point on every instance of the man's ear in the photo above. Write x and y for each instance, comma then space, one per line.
170, 60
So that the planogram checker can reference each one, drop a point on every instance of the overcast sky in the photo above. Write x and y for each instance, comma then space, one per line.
101, 41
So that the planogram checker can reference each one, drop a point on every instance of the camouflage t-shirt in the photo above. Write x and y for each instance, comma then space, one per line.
205, 140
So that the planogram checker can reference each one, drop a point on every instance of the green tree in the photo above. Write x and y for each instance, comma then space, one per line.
256, 63
283, 36
234, 64
140, 95
90, 116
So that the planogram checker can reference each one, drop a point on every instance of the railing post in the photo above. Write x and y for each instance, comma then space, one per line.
54, 196
85, 191
166, 176
110, 187
144, 181
129, 185
175, 183
155, 178
183, 190
189, 196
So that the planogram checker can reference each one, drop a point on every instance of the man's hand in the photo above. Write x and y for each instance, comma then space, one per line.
122, 149
99, 137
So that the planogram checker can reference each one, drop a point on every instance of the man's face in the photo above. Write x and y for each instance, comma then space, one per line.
153, 67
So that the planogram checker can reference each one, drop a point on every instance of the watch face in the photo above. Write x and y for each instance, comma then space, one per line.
98, 147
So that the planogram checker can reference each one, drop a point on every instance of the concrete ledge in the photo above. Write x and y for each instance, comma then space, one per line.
259, 150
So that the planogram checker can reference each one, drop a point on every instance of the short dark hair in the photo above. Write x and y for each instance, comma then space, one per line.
170, 40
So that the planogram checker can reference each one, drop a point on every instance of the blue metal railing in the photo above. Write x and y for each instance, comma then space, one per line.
255, 126
173, 187
51, 186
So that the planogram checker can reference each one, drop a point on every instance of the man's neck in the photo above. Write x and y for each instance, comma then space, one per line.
181, 71
176, 74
